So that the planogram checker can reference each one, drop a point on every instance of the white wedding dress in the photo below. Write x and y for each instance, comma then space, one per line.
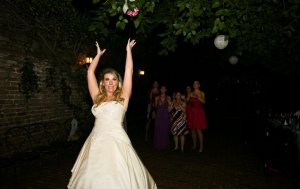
107, 159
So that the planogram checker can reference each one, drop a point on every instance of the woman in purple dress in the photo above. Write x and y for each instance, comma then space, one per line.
161, 139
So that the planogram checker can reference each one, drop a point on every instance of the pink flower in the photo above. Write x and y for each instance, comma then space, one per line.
129, 12
135, 12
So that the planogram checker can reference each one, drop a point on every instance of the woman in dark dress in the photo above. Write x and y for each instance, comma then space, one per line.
154, 92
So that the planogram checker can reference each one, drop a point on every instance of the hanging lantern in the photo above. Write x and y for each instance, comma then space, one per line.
233, 60
88, 60
220, 42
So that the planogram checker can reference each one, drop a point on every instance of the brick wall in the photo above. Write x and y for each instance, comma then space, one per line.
17, 42
43, 106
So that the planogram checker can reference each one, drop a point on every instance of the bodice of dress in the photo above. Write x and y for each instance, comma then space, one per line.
176, 112
109, 115
162, 104
195, 102
109, 110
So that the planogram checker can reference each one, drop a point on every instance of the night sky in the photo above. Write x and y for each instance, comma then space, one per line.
244, 85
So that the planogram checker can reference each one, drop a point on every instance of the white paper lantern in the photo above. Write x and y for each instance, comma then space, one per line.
220, 42
233, 60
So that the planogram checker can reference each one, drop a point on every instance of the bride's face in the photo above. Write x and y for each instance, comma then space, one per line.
110, 82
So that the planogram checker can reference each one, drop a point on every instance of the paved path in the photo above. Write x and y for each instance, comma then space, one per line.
226, 163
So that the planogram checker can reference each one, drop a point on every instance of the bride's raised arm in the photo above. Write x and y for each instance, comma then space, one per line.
127, 81
91, 78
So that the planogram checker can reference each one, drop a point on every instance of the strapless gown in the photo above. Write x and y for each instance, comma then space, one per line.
107, 159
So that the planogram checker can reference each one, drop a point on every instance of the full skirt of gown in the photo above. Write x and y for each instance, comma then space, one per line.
107, 159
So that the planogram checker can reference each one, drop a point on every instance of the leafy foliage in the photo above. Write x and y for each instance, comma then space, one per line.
29, 80
66, 92
50, 77
57, 29
263, 28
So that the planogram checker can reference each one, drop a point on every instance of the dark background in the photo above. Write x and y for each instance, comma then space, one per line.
246, 88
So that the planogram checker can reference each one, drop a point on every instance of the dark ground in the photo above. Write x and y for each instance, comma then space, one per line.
226, 163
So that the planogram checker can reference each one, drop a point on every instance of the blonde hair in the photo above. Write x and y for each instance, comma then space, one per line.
102, 95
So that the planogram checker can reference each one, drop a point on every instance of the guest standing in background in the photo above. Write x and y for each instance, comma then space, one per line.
178, 121
188, 90
196, 115
154, 92
162, 122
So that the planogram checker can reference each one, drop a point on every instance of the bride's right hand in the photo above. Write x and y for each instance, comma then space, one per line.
99, 51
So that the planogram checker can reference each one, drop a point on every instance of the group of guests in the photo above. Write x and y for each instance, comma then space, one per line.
176, 116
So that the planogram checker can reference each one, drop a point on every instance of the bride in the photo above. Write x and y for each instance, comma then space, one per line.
107, 159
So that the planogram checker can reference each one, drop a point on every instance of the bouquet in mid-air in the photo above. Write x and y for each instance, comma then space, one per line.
130, 9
